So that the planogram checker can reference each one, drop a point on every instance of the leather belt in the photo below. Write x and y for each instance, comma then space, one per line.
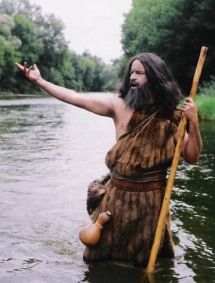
127, 185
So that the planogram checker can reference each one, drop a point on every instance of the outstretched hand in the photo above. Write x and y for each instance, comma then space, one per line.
32, 72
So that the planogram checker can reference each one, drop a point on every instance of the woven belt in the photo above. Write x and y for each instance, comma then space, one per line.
127, 185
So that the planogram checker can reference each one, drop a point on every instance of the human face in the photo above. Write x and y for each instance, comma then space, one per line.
137, 75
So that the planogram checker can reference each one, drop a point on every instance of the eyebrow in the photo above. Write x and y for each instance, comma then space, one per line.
137, 70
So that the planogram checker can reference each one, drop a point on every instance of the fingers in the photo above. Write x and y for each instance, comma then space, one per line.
35, 67
188, 100
20, 67
25, 69
25, 66
188, 104
185, 103
189, 109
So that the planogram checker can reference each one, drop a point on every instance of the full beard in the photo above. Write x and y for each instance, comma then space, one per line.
139, 98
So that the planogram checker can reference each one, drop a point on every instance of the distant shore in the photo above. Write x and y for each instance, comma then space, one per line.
8, 95
205, 103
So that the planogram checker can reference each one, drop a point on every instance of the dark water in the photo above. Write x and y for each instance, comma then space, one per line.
49, 152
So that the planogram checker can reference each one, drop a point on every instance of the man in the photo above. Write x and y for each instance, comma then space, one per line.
146, 121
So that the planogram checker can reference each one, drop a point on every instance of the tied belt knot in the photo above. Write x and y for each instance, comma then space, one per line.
149, 181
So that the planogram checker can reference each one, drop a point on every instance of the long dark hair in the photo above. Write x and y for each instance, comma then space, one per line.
161, 83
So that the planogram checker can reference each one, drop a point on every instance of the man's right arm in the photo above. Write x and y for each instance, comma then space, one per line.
96, 104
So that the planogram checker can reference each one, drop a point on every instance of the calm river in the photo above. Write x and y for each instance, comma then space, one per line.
49, 152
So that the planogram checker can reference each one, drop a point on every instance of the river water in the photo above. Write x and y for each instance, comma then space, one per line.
49, 152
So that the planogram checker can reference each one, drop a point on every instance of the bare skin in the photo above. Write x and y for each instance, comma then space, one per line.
115, 107
192, 141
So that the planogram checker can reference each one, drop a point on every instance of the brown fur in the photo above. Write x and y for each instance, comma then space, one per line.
143, 148
130, 232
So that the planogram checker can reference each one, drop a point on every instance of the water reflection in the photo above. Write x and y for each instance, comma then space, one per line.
108, 272
49, 154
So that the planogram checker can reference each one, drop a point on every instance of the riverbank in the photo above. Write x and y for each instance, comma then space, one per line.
206, 106
9, 96
205, 102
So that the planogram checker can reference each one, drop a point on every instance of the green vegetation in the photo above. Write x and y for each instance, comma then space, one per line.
173, 29
206, 101
28, 35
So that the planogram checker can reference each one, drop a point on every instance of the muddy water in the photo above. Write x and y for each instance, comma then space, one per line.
49, 152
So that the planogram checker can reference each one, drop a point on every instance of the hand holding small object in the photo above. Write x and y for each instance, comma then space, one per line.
32, 72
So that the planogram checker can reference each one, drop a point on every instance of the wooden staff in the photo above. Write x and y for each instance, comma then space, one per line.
176, 158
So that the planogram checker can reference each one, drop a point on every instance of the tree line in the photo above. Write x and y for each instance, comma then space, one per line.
28, 35
173, 29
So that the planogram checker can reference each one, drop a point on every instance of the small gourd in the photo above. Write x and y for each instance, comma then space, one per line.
91, 234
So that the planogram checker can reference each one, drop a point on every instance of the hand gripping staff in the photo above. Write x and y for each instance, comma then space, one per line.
176, 158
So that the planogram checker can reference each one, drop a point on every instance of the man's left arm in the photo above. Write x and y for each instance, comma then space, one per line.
192, 141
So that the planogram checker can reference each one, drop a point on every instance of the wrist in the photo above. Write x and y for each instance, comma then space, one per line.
40, 82
194, 119
193, 125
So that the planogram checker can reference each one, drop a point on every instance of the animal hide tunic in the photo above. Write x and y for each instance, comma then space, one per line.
138, 163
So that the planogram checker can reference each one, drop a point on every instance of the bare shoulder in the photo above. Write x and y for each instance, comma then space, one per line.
118, 103
122, 113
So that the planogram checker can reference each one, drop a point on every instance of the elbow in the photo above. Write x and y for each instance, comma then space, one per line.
192, 159
191, 154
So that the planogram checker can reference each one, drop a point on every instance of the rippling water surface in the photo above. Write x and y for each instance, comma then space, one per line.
49, 152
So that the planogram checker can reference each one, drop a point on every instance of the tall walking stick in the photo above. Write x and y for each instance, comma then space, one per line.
176, 158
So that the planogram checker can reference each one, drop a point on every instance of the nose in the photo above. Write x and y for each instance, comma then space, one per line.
133, 76
133, 79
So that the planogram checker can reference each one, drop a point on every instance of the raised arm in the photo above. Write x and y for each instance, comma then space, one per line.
192, 141
99, 105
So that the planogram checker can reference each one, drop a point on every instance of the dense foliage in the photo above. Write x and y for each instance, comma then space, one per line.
175, 30
27, 35
206, 100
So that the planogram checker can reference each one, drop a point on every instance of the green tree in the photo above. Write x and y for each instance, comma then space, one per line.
31, 44
55, 46
175, 30
8, 52
28, 35
21, 7
193, 27
67, 70
30, 49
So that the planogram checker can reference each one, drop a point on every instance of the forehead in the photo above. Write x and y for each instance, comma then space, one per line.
137, 65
